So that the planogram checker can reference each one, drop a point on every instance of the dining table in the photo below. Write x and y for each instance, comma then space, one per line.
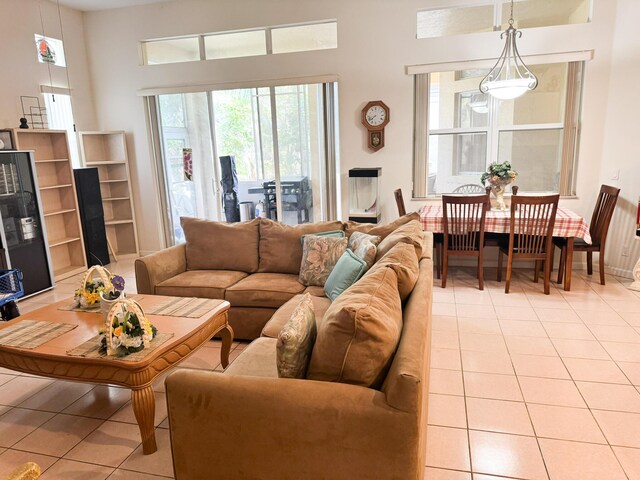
568, 224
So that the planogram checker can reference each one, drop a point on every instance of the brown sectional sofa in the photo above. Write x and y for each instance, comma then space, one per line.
247, 423
254, 265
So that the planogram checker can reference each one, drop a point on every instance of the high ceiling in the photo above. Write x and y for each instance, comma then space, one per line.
87, 5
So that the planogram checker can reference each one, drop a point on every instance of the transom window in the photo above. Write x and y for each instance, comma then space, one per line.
489, 15
467, 130
242, 43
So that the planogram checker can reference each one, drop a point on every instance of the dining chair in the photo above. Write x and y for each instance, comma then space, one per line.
469, 188
463, 219
437, 237
598, 229
400, 202
530, 235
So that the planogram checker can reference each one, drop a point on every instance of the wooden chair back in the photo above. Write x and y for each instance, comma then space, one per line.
532, 222
400, 202
469, 188
463, 217
602, 213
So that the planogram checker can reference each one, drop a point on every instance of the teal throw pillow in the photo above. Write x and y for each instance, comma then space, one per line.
330, 233
347, 271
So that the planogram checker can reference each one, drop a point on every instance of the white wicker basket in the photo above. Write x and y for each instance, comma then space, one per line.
125, 305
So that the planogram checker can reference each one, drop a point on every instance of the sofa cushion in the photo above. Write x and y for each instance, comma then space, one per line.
264, 290
359, 332
280, 246
295, 341
410, 233
380, 230
258, 359
319, 255
402, 259
315, 291
349, 268
280, 317
199, 283
364, 246
332, 233
221, 246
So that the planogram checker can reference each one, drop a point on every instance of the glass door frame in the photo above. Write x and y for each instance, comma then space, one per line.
329, 183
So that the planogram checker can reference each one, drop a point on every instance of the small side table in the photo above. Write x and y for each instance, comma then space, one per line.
636, 275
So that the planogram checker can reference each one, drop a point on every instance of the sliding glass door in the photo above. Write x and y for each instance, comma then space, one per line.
277, 138
185, 124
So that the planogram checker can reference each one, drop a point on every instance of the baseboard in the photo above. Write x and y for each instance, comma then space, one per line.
577, 266
619, 272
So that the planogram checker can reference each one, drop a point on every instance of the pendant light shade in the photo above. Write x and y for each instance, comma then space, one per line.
509, 78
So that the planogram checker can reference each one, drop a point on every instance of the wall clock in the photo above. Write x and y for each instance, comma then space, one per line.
375, 116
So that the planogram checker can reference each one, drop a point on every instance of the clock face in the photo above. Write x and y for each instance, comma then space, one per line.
376, 115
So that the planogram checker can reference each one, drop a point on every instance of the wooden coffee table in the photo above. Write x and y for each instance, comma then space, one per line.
51, 359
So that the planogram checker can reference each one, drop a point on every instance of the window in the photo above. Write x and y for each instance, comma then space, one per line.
263, 41
301, 38
494, 15
172, 50
60, 117
50, 50
235, 44
466, 130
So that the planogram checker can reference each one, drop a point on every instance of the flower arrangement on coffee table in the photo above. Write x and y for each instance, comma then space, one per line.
499, 175
127, 330
93, 290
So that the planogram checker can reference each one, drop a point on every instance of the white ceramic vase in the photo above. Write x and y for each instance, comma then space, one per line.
498, 190
106, 304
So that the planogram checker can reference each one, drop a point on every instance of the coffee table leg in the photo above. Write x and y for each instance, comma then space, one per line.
227, 339
144, 408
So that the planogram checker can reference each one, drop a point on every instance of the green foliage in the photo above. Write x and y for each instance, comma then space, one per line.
498, 172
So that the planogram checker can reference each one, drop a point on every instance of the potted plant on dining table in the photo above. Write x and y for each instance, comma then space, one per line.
498, 176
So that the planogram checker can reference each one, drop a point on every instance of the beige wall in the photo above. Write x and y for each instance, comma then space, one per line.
20, 71
621, 148
376, 41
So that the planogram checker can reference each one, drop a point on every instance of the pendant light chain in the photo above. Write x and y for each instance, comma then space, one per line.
67, 63
511, 14
44, 35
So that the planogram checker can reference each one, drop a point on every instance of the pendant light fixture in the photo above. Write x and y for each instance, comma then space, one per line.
509, 78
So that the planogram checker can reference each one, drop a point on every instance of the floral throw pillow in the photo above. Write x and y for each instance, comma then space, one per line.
364, 246
296, 340
319, 255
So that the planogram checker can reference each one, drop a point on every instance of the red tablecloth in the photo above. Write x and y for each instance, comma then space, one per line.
568, 223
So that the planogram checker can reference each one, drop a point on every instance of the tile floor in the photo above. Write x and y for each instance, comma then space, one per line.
523, 386
83, 431
530, 386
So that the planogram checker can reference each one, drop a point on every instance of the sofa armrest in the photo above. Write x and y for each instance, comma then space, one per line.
287, 429
160, 266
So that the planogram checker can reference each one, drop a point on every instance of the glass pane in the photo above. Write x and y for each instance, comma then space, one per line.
299, 119
236, 132
184, 124
455, 21
456, 159
545, 104
456, 102
171, 51
239, 44
60, 116
50, 50
302, 38
544, 13
536, 156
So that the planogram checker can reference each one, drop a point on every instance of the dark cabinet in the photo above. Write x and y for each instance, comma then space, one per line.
92, 215
23, 229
